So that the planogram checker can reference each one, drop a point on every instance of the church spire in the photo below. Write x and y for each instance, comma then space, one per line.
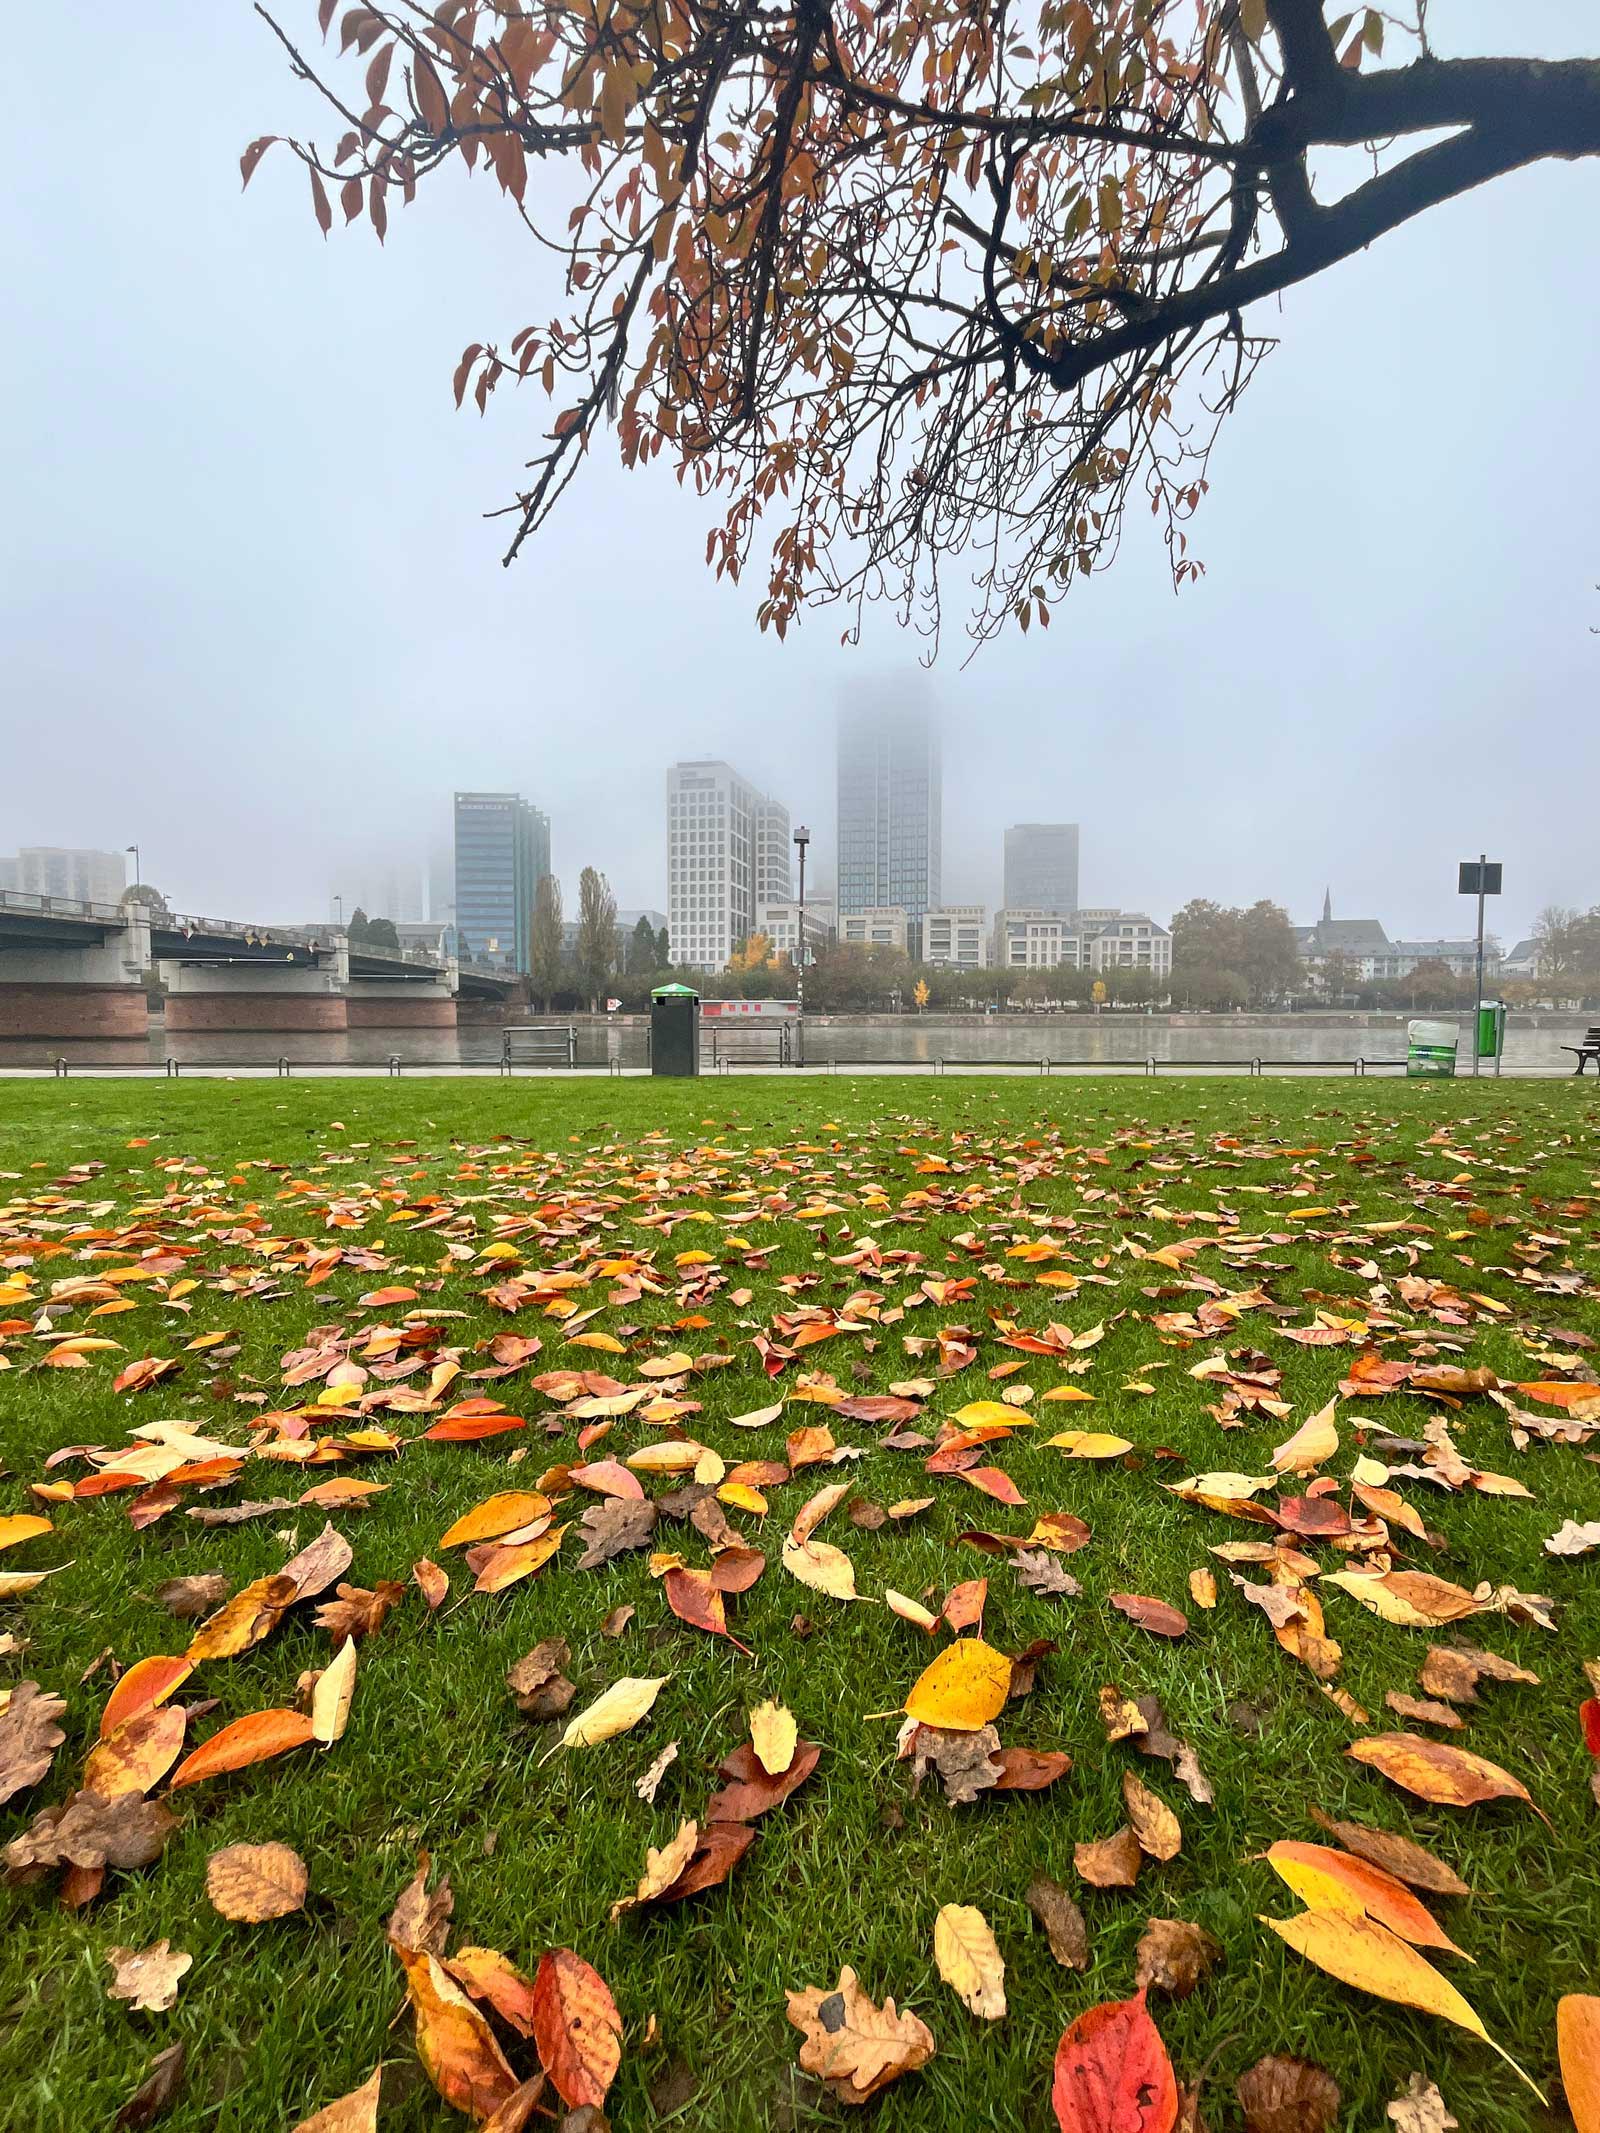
1327, 905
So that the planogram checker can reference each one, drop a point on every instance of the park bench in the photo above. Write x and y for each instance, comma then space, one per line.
538, 1044
1589, 1049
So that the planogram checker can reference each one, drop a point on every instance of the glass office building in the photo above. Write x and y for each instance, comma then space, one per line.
502, 848
891, 807
1042, 866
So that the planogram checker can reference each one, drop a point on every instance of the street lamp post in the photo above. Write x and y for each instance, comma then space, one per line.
137, 877
1479, 877
802, 838
338, 912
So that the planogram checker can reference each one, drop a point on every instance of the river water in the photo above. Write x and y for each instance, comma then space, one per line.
1068, 1042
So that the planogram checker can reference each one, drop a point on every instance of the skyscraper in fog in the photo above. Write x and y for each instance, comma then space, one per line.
891, 802
1042, 866
727, 853
502, 847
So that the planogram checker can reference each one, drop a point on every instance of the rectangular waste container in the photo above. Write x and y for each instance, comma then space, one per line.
675, 1031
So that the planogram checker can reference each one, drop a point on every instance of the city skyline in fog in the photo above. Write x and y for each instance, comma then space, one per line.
255, 621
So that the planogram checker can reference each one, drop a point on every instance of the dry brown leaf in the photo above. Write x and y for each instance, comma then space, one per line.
253, 1882
147, 1978
355, 2113
538, 1683
155, 2094
1157, 1828
967, 1763
190, 1598
650, 1784
29, 1737
1062, 1921
1284, 2095
854, 2046
661, 1869
1421, 2109
1396, 1855
420, 1921
1435, 1771
90, 1832
357, 1612
1109, 1862
1173, 1956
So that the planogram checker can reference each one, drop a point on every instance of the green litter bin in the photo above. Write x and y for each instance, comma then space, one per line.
675, 1031
1491, 1028
1431, 1051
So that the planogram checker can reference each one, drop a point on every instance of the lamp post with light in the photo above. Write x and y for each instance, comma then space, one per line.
802, 838
134, 849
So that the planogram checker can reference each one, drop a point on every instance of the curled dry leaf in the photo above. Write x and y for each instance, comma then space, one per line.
969, 1961
1434, 1771
1038, 1569
454, 2041
90, 1833
649, 1784
315, 1568
616, 1710
420, 1921
1112, 2071
29, 1737
147, 1978
1396, 1855
538, 1683
1173, 1956
1157, 1616
576, 2027
254, 1882
1422, 2110
1157, 1828
155, 2093
1287, 2095
190, 1598
432, 1582
355, 2113
967, 1763
856, 2047
1062, 1921
1109, 1862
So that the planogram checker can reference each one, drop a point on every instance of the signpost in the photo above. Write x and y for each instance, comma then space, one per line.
1479, 877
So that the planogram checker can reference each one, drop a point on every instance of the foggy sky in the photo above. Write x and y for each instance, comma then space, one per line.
252, 615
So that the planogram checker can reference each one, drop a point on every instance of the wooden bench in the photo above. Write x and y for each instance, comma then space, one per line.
1589, 1049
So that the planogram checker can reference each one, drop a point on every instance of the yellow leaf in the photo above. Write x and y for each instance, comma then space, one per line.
1367, 1956
23, 1526
1314, 1442
774, 1736
1068, 1392
968, 1960
494, 1516
330, 1699
1578, 2042
676, 1455
820, 1565
977, 1413
605, 1342
618, 1710
909, 1610
1410, 1598
963, 1688
1089, 1443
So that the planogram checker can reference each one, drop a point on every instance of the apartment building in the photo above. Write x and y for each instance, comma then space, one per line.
956, 936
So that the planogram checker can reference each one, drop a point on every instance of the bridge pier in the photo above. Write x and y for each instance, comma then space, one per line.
273, 998
77, 980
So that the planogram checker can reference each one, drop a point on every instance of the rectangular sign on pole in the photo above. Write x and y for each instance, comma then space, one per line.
1479, 877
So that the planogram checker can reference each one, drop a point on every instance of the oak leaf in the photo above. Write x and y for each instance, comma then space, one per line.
856, 2047
89, 1832
29, 1737
147, 1977
1422, 2109
538, 1683
357, 1612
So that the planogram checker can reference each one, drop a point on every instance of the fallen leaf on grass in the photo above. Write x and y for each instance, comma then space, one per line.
773, 1735
1040, 1572
1112, 2072
1031, 1769
964, 1688
1573, 1539
496, 1515
1062, 1921
245, 1621
156, 2093
857, 2048
486, 1974
146, 1683
969, 1961
29, 1737
1578, 2045
316, 1567
147, 1978
189, 1598
357, 1612
750, 1789
355, 2113
1434, 1771
1361, 1953
1411, 1598
617, 1710
649, 1784
1173, 1956
538, 1683
1287, 2095
508, 1562
1155, 1826
576, 2027
614, 1527
661, 1869
1329, 1880
1156, 1616
821, 1566
432, 1582
254, 1882
454, 2041
330, 1699
1454, 1671
137, 1755
420, 1920
1422, 2109
967, 1762
90, 1832
1203, 1588
253, 1739
1396, 1855
1109, 1862
22, 1526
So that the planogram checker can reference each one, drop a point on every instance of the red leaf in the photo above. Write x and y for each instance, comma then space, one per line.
722, 1845
576, 2028
1589, 1715
319, 202
252, 156
751, 1789
1112, 2073
1153, 1615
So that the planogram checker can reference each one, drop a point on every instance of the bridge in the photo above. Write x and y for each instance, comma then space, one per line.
70, 969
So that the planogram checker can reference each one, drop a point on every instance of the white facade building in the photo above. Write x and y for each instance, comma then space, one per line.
882, 926
1082, 940
716, 823
780, 922
774, 880
956, 936
72, 871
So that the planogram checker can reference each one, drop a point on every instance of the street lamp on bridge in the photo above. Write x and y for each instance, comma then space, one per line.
802, 838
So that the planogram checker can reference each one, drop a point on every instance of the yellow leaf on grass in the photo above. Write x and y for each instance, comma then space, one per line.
821, 1566
774, 1736
1068, 1392
617, 1710
1367, 1956
963, 1688
1313, 1443
1410, 1598
23, 1526
494, 1516
977, 1413
969, 1961
330, 1699
1578, 2042
1089, 1443
1326, 1879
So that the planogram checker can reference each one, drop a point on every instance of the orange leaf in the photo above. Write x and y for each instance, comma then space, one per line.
1578, 2041
253, 1739
468, 1429
149, 1682
576, 2028
1112, 2072
454, 2040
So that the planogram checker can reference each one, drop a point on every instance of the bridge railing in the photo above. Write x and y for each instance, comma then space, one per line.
57, 906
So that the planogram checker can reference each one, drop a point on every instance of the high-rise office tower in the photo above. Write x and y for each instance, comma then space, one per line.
890, 808
773, 853
1042, 866
722, 840
502, 848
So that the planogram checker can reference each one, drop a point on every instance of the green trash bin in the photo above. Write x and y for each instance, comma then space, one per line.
1431, 1051
1491, 1028
675, 1031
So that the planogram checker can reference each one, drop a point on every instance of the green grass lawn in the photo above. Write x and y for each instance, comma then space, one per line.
281, 2018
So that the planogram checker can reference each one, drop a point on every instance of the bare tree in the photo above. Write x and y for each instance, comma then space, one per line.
899, 284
